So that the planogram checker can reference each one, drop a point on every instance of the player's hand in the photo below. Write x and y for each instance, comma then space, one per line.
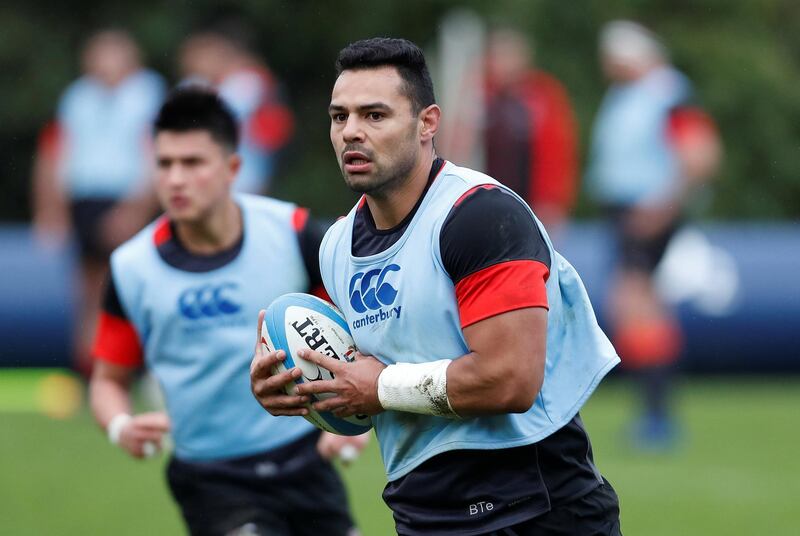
142, 436
267, 387
355, 384
346, 448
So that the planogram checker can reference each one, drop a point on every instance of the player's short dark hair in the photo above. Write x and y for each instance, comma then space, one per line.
402, 54
197, 107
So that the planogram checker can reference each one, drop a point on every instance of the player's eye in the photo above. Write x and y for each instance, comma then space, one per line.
339, 118
375, 116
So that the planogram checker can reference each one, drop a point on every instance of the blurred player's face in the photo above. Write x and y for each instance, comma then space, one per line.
508, 59
205, 57
374, 132
194, 175
110, 57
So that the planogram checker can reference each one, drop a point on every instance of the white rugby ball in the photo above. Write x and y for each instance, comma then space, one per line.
295, 321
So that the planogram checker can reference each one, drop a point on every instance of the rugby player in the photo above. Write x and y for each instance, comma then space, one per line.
179, 301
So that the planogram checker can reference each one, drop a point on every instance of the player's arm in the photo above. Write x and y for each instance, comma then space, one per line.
504, 371
50, 211
118, 356
499, 263
696, 143
109, 391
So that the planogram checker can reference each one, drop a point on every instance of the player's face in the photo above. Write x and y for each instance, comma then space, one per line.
194, 174
374, 132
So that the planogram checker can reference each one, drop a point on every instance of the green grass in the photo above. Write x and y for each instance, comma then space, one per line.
736, 470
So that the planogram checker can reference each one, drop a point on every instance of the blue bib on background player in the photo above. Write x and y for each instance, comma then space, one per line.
401, 306
105, 134
196, 331
632, 161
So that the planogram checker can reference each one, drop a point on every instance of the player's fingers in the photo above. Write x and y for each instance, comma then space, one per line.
153, 436
150, 449
261, 314
156, 421
140, 435
274, 384
319, 386
298, 412
284, 405
262, 364
340, 412
282, 401
332, 404
144, 449
327, 362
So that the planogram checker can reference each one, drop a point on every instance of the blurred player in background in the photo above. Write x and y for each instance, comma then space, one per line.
447, 277
529, 131
511, 119
221, 56
178, 302
651, 149
92, 171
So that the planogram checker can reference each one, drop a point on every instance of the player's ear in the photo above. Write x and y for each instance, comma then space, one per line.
429, 120
234, 164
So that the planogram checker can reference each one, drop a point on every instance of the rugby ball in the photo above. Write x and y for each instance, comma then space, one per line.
295, 321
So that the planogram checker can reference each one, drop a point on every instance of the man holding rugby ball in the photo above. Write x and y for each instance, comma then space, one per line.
479, 342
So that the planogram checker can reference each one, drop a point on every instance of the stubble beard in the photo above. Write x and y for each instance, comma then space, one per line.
386, 180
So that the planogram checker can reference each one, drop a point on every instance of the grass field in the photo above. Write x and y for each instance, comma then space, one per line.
736, 471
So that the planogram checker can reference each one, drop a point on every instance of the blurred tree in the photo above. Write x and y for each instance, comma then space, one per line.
743, 56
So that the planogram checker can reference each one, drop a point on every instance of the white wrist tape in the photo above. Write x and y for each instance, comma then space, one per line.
115, 426
416, 388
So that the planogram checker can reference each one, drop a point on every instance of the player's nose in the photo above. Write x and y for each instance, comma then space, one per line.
175, 176
352, 130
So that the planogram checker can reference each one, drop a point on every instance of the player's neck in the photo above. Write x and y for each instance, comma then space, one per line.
390, 209
220, 230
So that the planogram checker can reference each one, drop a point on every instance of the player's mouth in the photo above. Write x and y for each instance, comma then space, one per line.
356, 162
178, 202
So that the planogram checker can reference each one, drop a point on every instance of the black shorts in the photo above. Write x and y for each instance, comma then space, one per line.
474, 492
290, 491
594, 514
87, 217
637, 253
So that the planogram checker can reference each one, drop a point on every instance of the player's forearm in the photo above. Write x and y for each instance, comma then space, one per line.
468, 386
505, 370
108, 398
478, 386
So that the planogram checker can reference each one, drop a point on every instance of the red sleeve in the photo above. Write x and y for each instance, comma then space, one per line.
501, 288
320, 292
116, 342
299, 219
688, 124
49, 142
272, 124
553, 145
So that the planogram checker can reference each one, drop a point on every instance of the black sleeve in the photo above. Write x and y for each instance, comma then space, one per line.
310, 238
111, 303
489, 226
